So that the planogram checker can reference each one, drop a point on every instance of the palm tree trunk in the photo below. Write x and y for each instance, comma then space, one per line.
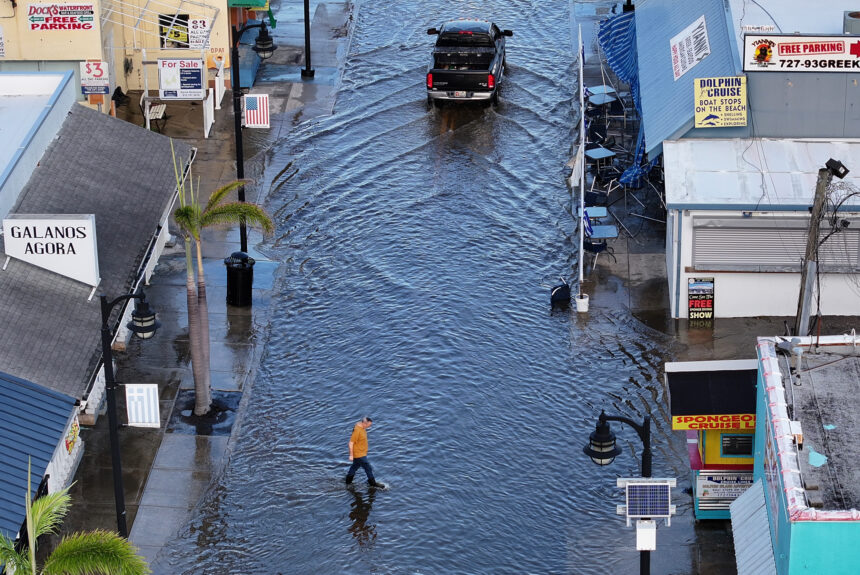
203, 323
202, 399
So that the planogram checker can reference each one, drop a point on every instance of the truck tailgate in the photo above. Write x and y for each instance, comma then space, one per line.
460, 80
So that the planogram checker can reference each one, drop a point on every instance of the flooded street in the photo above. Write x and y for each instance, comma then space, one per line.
417, 249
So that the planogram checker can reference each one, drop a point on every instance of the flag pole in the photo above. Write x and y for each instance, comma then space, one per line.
581, 214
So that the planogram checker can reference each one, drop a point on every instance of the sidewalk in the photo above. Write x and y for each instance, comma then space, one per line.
166, 471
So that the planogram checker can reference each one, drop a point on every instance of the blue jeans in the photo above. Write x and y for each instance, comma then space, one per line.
364, 464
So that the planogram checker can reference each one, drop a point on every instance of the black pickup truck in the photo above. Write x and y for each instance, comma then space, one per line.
468, 62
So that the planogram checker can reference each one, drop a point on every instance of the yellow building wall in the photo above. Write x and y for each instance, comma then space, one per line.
45, 31
130, 29
712, 452
131, 40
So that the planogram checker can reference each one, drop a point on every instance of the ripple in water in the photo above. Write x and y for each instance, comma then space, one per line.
414, 246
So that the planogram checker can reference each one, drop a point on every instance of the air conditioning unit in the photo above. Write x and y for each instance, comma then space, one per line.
851, 23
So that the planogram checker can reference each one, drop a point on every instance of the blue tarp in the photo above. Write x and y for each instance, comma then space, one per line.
617, 38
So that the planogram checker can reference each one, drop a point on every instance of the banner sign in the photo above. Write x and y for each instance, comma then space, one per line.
181, 79
257, 111
73, 435
728, 486
700, 298
720, 102
61, 16
689, 47
94, 77
64, 244
744, 421
198, 33
776, 53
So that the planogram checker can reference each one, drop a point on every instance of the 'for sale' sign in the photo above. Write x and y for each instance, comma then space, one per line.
181, 79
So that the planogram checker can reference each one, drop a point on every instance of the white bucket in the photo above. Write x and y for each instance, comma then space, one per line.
582, 302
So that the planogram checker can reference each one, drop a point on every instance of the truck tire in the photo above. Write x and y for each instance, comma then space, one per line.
495, 99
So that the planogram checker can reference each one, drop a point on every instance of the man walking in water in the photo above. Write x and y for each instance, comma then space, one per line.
358, 452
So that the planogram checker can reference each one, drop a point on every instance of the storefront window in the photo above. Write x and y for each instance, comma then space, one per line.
173, 30
737, 445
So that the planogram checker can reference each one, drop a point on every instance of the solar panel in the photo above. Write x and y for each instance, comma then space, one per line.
648, 500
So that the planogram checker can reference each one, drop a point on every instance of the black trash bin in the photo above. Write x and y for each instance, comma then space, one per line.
240, 279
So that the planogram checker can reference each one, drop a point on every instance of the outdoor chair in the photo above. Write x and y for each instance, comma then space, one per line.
596, 248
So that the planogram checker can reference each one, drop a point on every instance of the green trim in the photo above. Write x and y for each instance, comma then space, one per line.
246, 3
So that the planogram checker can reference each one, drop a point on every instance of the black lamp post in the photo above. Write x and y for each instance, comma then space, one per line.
307, 71
602, 450
143, 324
264, 47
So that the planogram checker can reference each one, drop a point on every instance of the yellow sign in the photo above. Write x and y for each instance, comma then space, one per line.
744, 421
721, 102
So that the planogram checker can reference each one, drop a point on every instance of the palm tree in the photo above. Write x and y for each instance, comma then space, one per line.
89, 553
192, 219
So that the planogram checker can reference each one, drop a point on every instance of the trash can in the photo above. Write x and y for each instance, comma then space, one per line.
240, 279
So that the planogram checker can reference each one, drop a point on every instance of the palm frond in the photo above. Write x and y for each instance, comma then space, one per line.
187, 219
49, 510
11, 559
236, 212
219, 194
178, 170
95, 553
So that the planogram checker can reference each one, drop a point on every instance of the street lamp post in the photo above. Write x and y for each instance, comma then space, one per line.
307, 71
143, 324
602, 450
264, 47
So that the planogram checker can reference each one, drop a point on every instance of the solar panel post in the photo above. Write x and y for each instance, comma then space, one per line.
644, 432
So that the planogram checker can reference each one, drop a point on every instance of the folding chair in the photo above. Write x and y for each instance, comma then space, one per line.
597, 248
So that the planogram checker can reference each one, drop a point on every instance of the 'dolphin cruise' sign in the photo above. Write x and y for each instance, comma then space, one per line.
65, 244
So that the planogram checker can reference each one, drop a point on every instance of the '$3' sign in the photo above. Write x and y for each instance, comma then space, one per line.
94, 69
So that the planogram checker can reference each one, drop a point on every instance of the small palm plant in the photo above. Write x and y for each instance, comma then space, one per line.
192, 218
90, 553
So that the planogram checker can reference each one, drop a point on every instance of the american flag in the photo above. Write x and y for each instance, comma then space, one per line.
257, 111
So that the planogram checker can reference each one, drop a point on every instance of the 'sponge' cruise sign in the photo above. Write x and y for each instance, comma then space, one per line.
64, 244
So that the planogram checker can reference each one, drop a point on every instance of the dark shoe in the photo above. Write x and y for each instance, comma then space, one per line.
374, 483
348, 479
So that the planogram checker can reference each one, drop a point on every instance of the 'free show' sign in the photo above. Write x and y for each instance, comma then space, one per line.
64, 244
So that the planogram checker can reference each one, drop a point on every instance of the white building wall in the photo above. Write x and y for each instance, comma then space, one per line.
67, 456
749, 294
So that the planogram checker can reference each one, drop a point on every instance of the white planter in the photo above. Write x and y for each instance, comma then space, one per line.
582, 302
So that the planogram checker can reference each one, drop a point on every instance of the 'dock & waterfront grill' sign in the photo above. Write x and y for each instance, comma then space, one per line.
64, 244
776, 53
61, 16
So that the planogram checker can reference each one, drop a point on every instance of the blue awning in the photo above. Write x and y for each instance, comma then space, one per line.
34, 422
617, 38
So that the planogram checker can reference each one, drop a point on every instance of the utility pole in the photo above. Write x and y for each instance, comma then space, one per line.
809, 265
810, 262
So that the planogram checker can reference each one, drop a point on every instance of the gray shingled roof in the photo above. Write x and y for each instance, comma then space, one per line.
34, 421
96, 165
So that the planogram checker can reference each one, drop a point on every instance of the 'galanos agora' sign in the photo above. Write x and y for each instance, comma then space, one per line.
64, 244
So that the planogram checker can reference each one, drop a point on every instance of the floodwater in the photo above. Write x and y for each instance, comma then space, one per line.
418, 249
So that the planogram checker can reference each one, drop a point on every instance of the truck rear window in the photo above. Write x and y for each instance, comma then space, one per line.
452, 39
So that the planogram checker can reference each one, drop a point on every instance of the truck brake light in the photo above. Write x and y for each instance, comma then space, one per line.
429, 81
491, 81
